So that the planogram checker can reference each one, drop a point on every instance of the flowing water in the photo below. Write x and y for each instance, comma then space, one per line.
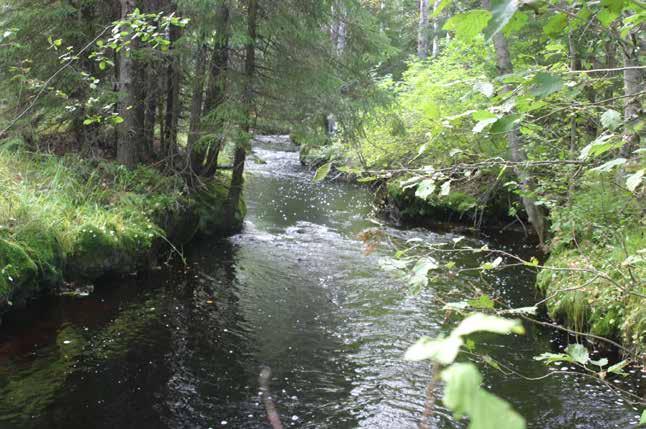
182, 347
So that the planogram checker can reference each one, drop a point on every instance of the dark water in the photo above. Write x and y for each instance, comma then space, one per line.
182, 347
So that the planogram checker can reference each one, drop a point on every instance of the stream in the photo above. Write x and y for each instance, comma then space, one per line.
182, 346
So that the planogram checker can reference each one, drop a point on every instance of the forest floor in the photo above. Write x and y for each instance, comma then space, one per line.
66, 221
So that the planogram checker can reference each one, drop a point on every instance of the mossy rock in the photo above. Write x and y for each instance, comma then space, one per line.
97, 251
18, 275
211, 207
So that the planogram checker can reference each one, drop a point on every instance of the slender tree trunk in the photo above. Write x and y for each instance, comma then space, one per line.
196, 107
422, 29
206, 160
633, 85
152, 99
235, 191
172, 101
127, 152
534, 213
436, 31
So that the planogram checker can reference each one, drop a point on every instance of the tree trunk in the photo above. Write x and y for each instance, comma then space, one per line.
172, 101
127, 152
206, 160
422, 30
436, 31
196, 108
152, 100
534, 213
633, 85
235, 190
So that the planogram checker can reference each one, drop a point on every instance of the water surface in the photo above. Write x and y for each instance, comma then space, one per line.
182, 347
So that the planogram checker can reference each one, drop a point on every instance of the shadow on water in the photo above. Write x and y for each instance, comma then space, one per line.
182, 347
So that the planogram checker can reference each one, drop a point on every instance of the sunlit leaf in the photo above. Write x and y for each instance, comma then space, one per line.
482, 303
618, 368
445, 189
484, 124
443, 350
579, 353
520, 311
501, 13
469, 24
419, 274
485, 88
634, 180
483, 323
322, 172
550, 358
425, 189
610, 165
611, 119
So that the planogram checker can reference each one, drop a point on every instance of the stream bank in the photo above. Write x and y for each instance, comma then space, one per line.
66, 221
580, 253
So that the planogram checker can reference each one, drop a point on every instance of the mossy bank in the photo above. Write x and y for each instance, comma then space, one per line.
69, 219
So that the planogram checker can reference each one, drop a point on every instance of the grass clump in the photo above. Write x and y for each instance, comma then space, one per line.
78, 217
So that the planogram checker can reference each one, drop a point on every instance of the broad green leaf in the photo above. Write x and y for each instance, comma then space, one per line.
600, 363
322, 172
469, 24
516, 23
117, 120
545, 84
481, 115
601, 145
555, 25
505, 124
425, 189
634, 180
482, 303
479, 322
103, 65
367, 179
611, 119
439, 7
610, 165
579, 353
642, 420
464, 396
443, 350
550, 358
502, 12
485, 88
463, 382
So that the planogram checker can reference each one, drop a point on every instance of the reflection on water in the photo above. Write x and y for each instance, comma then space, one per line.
182, 348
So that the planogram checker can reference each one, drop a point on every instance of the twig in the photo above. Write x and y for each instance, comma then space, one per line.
270, 407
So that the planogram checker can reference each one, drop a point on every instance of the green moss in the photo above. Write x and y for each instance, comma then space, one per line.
210, 204
458, 205
18, 273
592, 304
